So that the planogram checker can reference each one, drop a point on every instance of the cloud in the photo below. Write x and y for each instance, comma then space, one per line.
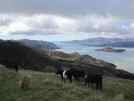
71, 18
95, 23
41, 23
69, 7
48, 24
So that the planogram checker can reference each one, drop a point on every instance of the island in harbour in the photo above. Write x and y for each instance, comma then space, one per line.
110, 49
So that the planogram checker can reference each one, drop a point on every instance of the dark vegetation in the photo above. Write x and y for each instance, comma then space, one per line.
14, 53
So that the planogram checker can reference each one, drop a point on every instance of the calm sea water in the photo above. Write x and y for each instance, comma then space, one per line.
123, 60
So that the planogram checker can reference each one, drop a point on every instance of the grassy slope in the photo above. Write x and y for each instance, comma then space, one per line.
47, 87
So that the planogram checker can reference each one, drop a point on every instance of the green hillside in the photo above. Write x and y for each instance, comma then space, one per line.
47, 87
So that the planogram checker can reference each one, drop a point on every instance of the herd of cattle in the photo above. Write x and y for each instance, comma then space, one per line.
89, 78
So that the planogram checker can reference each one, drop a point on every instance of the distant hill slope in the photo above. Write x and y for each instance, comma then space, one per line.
39, 44
100, 41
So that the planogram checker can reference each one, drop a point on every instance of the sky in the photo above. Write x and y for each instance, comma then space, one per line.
64, 20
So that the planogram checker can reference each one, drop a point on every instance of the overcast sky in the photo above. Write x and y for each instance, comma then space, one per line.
59, 20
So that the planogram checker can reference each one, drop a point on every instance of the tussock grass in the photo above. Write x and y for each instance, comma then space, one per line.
47, 87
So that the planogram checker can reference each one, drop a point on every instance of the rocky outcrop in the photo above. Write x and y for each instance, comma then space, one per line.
86, 59
124, 74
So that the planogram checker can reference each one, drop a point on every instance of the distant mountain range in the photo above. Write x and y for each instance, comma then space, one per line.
109, 42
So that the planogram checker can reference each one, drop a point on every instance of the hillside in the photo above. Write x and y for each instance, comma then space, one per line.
38, 44
14, 53
47, 87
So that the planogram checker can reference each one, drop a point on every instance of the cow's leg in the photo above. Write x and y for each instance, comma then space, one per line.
57, 74
100, 84
85, 83
64, 80
61, 76
70, 78
88, 84
97, 85
16, 68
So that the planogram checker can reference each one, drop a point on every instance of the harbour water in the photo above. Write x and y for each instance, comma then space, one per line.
123, 60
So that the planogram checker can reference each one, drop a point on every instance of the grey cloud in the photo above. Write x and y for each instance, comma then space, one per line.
69, 7
51, 24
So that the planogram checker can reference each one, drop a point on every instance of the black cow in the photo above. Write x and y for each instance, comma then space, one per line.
16, 68
60, 72
76, 73
9, 63
92, 75
91, 78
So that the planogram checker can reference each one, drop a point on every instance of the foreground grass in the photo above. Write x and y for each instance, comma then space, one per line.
47, 87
